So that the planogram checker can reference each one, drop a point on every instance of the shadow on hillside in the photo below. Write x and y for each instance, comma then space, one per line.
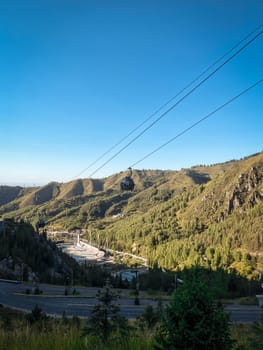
97, 185
198, 178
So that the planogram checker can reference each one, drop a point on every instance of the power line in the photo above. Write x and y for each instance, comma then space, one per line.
198, 122
177, 103
171, 99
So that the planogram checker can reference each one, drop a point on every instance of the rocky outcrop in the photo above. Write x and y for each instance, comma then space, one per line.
10, 268
245, 191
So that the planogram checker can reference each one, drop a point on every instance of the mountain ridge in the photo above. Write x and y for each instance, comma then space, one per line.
174, 218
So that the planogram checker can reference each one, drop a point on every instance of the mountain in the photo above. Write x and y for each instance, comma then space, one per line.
205, 215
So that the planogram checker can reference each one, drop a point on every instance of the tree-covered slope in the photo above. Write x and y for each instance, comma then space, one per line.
205, 215
29, 256
218, 224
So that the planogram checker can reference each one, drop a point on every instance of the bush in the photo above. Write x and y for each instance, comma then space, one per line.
193, 321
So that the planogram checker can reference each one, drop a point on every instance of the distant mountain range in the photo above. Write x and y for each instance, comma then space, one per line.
206, 215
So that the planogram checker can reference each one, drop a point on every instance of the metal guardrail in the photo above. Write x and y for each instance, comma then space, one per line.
9, 281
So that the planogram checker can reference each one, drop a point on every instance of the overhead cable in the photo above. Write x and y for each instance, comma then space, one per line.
198, 122
178, 102
170, 100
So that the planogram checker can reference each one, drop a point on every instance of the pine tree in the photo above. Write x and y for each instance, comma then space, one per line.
104, 318
193, 321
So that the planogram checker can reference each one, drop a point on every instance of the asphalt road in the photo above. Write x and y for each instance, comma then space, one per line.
244, 313
53, 302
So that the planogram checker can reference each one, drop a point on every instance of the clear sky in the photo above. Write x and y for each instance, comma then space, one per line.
78, 75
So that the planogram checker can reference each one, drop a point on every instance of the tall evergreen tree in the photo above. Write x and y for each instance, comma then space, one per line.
104, 318
193, 321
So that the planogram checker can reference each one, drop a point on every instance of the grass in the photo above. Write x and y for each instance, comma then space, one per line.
25, 339
63, 339
16, 333
66, 334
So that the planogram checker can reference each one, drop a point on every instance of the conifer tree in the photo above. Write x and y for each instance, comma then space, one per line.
104, 319
194, 321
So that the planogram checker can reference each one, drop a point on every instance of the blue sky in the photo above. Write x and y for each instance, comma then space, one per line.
77, 76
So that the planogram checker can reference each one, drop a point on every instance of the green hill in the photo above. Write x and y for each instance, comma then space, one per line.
206, 215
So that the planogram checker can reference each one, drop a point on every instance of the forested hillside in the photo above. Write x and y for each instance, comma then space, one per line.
29, 256
206, 215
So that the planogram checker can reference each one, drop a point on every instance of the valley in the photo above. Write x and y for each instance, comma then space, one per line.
206, 215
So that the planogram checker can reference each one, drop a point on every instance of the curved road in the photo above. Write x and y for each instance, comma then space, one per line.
53, 302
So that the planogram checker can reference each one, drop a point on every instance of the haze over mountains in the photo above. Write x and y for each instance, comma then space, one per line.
202, 215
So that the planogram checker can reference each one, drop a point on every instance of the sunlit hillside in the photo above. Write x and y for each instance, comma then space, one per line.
206, 215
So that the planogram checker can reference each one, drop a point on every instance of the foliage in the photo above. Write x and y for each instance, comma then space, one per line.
193, 320
31, 251
210, 216
256, 341
248, 337
150, 317
36, 315
65, 334
104, 319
